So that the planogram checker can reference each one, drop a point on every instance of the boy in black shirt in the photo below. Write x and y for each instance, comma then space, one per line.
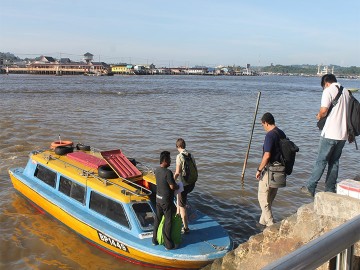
164, 199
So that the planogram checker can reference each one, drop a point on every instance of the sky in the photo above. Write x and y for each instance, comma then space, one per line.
186, 32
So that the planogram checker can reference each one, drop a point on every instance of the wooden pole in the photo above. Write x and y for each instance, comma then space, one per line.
251, 134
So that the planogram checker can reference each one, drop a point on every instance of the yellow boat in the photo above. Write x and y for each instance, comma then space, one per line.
108, 199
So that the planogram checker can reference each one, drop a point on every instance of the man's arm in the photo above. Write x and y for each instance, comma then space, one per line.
171, 181
322, 113
174, 187
265, 160
177, 170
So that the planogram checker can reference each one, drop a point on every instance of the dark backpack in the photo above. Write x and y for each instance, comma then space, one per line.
353, 118
288, 151
189, 173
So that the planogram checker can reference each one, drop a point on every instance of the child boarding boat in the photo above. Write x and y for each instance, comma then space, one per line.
108, 199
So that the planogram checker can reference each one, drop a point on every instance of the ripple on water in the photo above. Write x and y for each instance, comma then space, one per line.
142, 116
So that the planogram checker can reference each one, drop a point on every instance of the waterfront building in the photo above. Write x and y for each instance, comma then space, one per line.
49, 66
122, 69
88, 57
322, 70
196, 71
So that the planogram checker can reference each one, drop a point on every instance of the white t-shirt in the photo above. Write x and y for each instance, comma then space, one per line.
335, 126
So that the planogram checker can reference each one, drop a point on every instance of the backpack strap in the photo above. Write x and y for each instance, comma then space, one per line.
279, 146
277, 133
335, 101
186, 156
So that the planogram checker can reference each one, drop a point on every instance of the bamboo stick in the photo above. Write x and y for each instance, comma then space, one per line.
251, 134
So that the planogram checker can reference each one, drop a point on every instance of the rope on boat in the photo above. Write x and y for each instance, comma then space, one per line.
219, 248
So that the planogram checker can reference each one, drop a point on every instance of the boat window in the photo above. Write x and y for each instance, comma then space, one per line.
108, 208
77, 192
144, 214
72, 189
45, 175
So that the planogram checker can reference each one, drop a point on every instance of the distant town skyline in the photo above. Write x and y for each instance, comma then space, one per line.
186, 33
85, 58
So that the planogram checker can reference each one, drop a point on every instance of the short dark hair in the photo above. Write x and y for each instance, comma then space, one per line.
268, 118
164, 156
327, 78
180, 143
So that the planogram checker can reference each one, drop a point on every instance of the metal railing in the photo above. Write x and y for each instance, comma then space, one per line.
337, 242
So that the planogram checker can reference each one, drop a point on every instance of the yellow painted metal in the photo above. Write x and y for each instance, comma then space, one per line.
91, 233
150, 177
85, 175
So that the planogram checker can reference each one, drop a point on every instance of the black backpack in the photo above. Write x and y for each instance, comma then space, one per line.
353, 119
189, 173
288, 151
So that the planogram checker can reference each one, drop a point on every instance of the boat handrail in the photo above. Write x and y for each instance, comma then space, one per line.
140, 190
145, 167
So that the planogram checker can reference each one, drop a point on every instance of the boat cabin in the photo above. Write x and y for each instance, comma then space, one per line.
120, 203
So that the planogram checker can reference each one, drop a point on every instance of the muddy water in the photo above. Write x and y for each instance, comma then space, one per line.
144, 115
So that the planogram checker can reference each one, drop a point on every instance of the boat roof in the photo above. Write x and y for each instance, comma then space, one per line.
70, 165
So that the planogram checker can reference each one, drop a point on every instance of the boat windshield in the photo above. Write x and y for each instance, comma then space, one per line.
145, 215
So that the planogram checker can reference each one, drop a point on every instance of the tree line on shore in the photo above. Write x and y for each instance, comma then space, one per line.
310, 69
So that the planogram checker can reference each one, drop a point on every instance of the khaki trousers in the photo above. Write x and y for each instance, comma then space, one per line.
266, 196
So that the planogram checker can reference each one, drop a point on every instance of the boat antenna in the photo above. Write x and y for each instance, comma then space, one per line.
59, 139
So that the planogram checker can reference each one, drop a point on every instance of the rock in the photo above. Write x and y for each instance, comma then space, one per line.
335, 205
328, 211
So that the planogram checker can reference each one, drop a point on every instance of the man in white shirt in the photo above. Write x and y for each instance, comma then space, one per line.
333, 135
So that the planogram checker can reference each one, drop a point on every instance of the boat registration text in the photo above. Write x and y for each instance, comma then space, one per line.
113, 242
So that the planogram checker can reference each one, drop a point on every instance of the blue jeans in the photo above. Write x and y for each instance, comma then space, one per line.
329, 153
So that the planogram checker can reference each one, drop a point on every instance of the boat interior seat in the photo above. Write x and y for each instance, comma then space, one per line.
146, 219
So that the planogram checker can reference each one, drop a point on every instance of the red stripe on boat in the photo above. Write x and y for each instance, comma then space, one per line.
87, 159
120, 164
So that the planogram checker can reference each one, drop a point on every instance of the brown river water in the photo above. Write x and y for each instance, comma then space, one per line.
144, 115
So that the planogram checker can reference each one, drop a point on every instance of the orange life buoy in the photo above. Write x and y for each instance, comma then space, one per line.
146, 184
143, 183
60, 143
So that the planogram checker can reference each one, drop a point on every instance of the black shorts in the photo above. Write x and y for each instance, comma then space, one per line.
183, 195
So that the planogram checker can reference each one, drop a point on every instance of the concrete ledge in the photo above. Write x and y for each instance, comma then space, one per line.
335, 205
